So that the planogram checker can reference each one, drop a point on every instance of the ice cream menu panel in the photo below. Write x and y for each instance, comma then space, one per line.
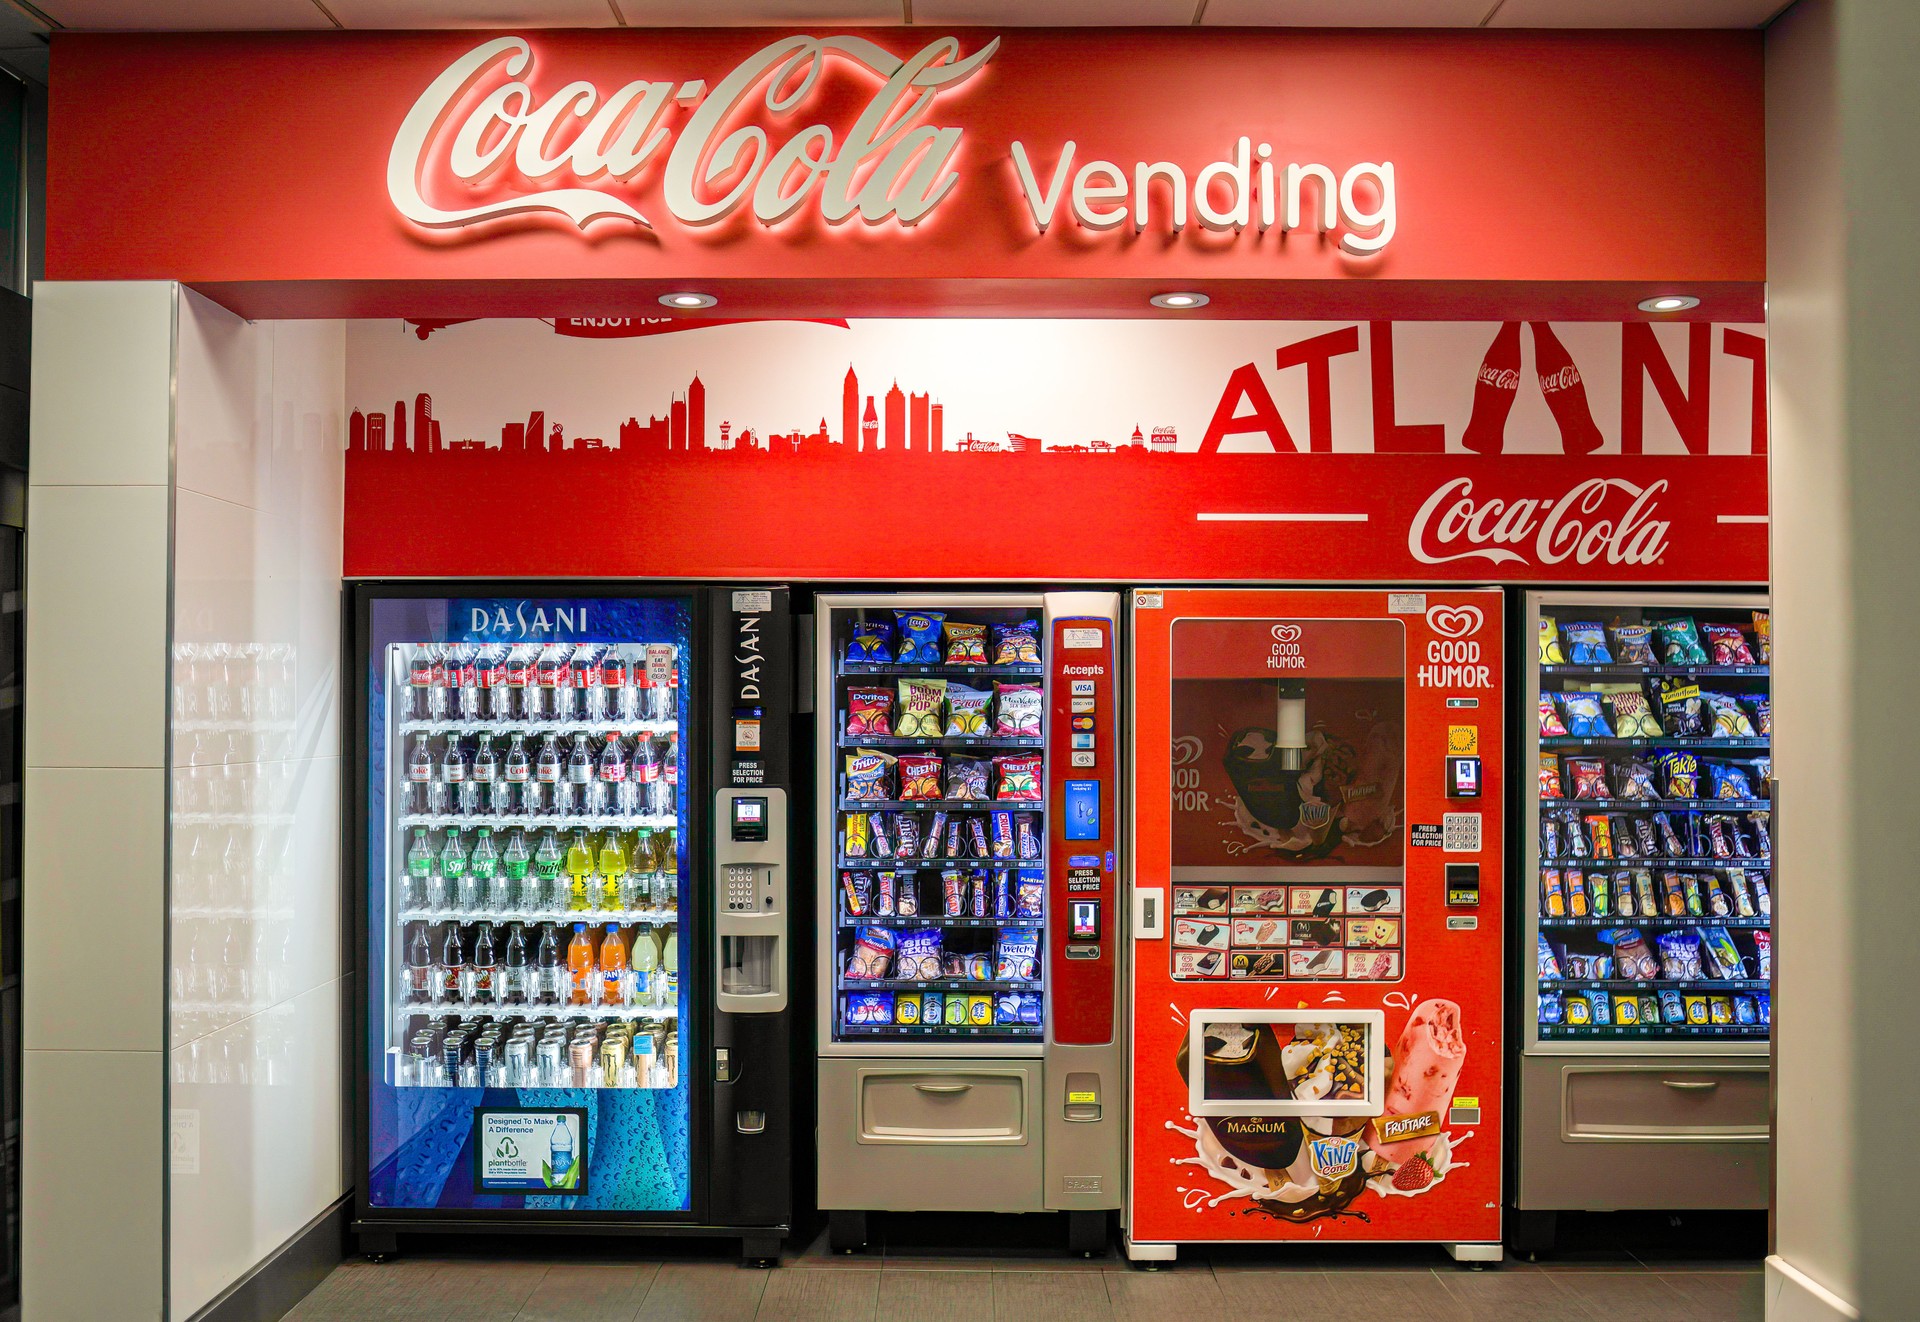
1653, 835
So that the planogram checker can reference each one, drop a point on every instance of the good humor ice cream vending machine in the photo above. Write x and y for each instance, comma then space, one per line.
1315, 974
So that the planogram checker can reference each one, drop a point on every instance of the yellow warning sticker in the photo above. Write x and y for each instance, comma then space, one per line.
1463, 740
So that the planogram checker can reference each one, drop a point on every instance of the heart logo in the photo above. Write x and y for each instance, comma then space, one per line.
1187, 750
1285, 633
1455, 621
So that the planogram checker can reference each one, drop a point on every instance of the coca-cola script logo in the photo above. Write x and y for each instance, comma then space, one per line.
480, 112
1608, 520
1455, 621
1285, 633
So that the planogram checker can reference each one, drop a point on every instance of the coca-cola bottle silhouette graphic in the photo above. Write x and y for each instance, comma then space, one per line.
1494, 391
1566, 393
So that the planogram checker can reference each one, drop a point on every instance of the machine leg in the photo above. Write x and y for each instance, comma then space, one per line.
1087, 1233
846, 1231
1531, 1232
1150, 1256
379, 1245
1475, 1254
760, 1251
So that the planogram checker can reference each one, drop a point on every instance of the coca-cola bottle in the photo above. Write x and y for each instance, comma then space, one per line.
1566, 393
1495, 388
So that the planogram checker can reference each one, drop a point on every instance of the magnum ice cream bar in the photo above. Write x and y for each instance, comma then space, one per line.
1426, 1065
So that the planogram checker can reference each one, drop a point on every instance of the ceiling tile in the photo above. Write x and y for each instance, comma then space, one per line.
1053, 13
1346, 13
761, 13
367, 14
1636, 13
183, 15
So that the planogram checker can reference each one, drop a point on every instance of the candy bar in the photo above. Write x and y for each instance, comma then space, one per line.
1553, 1008
976, 838
1002, 894
952, 841
930, 846
1646, 845
953, 893
883, 892
855, 889
920, 703
906, 831
1644, 899
1026, 834
1762, 714
1587, 644
908, 901
882, 834
1002, 833
1576, 893
919, 637
870, 1008
966, 644
1669, 839
906, 1009
967, 710
869, 712
1623, 842
857, 835
1717, 840
1623, 905
1550, 842
1577, 846
1600, 834
1553, 900
977, 901
1761, 833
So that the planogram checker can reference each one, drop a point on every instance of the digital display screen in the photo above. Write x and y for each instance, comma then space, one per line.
750, 819
1083, 920
1082, 809
1463, 777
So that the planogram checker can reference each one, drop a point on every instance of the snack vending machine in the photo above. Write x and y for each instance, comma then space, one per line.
1647, 902
571, 875
970, 1052
1315, 982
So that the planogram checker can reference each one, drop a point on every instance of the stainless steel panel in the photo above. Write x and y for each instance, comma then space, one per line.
1086, 1143
1602, 1166
890, 1140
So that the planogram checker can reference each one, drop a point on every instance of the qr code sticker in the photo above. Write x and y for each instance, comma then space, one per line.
1460, 832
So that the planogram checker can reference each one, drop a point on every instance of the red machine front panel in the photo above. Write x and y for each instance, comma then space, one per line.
1083, 934
1316, 1003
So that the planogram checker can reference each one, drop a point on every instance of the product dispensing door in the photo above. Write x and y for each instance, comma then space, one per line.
1316, 956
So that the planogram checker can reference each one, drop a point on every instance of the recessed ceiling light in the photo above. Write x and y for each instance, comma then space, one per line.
1179, 302
688, 300
1669, 303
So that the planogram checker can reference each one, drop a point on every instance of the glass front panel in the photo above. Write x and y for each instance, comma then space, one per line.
939, 817
1288, 800
1654, 844
528, 869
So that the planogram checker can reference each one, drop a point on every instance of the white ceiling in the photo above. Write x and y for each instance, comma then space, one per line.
192, 15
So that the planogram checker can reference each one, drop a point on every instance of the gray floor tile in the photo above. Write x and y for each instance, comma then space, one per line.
921, 1260
819, 1253
1140, 1296
375, 1292
480, 1291
1514, 1295
1640, 1295
704, 1292
1682, 1263
1579, 1260
813, 1294
1323, 1257
935, 1296
1405, 1296
589, 1292
1041, 1296
1733, 1296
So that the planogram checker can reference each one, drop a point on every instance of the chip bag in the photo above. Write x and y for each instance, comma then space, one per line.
919, 955
1727, 645
1635, 779
1681, 771
919, 776
1588, 777
1763, 638
1683, 712
1587, 644
869, 711
1549, 776
967, 780
1762, 715
1633, 715
1680, 641
966, 644
1729, 721
1584, 715
1729, 781
919, 637
1016, 644
967, 710
1019, 776
1550, 722
869, 775
920, 704
871, 644
1550, 653
1633, 645
1017, 709
873, 953
1028, 891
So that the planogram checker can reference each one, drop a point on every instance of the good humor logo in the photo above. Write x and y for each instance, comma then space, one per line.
525, 619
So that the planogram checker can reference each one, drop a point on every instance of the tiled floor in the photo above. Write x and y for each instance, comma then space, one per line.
919, 1284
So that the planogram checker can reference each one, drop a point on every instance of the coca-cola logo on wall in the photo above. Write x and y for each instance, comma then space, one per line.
1599, 521
483, 144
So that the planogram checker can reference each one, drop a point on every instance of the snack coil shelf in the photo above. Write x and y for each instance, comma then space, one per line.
936, 920
1655, 984
979, 986
1616, 670
1668, 861
591, 917
937, 864
940, 741
939, 805
559, 821
1652, 1032
1759, 741
857, 669
1661, 923
1658, 805
627, 729
503, 1011
943, 1030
